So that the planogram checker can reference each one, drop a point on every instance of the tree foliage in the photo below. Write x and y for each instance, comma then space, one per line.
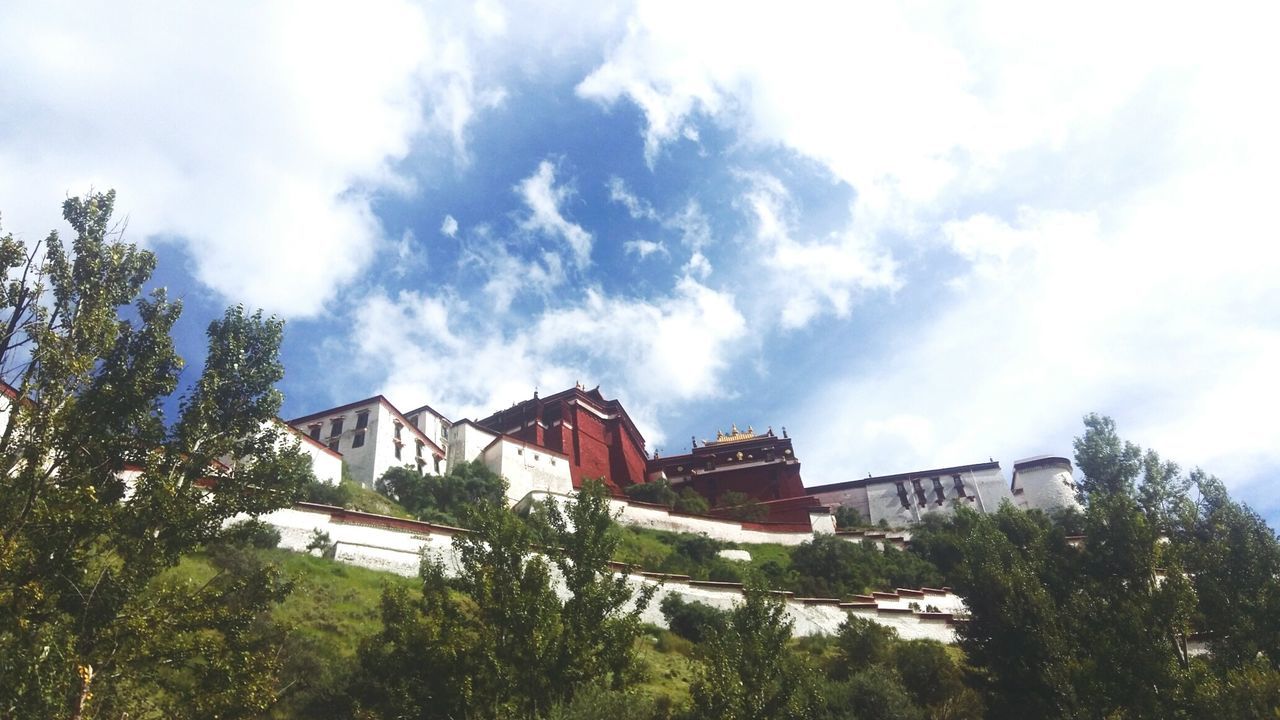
101, 493
496, 640
746, 669
1106, 629
442, 498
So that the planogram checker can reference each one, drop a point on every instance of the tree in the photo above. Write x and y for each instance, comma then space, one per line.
747, 670
740, 506
80, 543
496, 640
442, 498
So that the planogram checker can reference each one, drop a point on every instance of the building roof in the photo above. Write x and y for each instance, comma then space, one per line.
428, 408
378, 399
577, 394
861, 482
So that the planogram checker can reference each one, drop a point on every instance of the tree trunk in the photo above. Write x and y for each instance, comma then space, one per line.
86, 677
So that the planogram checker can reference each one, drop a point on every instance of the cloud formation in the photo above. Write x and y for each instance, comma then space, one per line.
544, 199
256, 135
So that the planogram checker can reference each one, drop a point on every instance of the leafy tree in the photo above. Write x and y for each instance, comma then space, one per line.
694, 620
848, 517
658, 492
691, 502
496, 640
747, 670
79, 543
740, 506
831, 566
442, 498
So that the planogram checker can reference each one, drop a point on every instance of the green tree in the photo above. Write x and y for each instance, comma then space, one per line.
740, 506
658, 492
442, 498
511, 646
80, 543
691, 502
747, 671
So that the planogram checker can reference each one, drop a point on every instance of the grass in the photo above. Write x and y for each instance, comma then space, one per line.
694, 555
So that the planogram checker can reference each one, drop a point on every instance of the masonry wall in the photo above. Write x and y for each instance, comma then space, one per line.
393, 545
528, 469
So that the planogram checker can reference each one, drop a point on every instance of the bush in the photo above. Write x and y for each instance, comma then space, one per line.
848, 518
740, 506
442, 498
323, 493
691, 502
251, 533
693, 621
658, 492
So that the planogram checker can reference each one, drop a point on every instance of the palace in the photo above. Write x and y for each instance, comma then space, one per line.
549, 445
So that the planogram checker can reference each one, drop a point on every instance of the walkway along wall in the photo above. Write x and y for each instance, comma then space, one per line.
395, 545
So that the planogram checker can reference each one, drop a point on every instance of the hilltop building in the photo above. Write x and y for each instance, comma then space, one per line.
372, 435
552, 444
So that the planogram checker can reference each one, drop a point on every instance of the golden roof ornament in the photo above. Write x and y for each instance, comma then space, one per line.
733, 434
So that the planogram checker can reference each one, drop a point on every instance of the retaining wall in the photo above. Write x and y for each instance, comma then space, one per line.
396, 545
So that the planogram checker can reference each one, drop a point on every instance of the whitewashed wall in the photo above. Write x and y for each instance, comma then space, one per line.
359, 542
528, 469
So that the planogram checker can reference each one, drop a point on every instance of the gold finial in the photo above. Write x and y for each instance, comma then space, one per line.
735, 429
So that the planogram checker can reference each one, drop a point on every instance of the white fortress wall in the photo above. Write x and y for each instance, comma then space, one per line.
467, 441
528, 469
367, 541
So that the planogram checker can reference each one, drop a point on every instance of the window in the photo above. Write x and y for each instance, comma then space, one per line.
902, 494
959, 484
398, 446
399, 427
335, 427
915, 483
333, 444
357, 440
362, 420
937, 490
437, 465
314, 431
414, 419
519, 451
419, 452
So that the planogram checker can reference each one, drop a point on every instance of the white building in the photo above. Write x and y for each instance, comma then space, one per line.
372, 435
1041, 483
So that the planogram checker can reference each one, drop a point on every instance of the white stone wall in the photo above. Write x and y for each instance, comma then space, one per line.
467, 441
528, 469
984, 490
1047, 486
325, 464
377, 453
398, 551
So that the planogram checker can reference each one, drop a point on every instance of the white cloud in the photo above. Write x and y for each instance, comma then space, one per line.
254, 134
638, 208
449, 227
806, 278
643, 248
1106, 209
544, 198
655, 354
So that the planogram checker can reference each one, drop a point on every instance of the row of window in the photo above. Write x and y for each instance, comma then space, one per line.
917, 485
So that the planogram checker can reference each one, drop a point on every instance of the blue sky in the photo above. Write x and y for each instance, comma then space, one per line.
915, 236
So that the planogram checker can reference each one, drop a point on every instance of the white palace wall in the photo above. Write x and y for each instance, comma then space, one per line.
393, 545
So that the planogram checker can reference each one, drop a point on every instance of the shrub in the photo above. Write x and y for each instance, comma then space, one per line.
251, 533
658, 492
693, 621
691, 502
740, 506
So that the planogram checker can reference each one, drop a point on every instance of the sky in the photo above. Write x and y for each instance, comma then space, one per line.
917, 235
